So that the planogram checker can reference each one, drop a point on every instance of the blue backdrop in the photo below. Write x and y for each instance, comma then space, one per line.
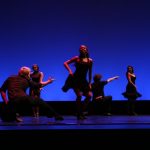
48, 32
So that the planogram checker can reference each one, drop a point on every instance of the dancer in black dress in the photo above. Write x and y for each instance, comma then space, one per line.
35, 92
131, 92
78, 80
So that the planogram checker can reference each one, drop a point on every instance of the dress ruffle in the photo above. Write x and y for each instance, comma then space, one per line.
131, 95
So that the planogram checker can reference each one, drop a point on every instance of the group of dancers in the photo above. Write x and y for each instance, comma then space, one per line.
82, 86
80, 81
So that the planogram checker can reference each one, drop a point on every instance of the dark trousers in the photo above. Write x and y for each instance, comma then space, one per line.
14, 106
102, 105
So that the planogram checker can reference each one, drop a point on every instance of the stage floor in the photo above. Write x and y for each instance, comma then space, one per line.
71, 122
104, 131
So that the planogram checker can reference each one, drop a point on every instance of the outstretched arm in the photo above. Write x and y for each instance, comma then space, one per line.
40, 85
50, 80
112, 78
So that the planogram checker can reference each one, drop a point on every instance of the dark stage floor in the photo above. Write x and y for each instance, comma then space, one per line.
70, 122
104, 130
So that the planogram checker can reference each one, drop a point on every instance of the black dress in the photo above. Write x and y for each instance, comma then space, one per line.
78, 80
131, 91
35, 76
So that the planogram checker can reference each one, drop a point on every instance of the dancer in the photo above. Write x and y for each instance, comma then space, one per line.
36, 76
78, 81
13, 92
99, 94
131, 92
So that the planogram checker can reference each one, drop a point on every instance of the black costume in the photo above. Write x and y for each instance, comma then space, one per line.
131, 94
105, 101
78, 82
35, 76
16, 87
